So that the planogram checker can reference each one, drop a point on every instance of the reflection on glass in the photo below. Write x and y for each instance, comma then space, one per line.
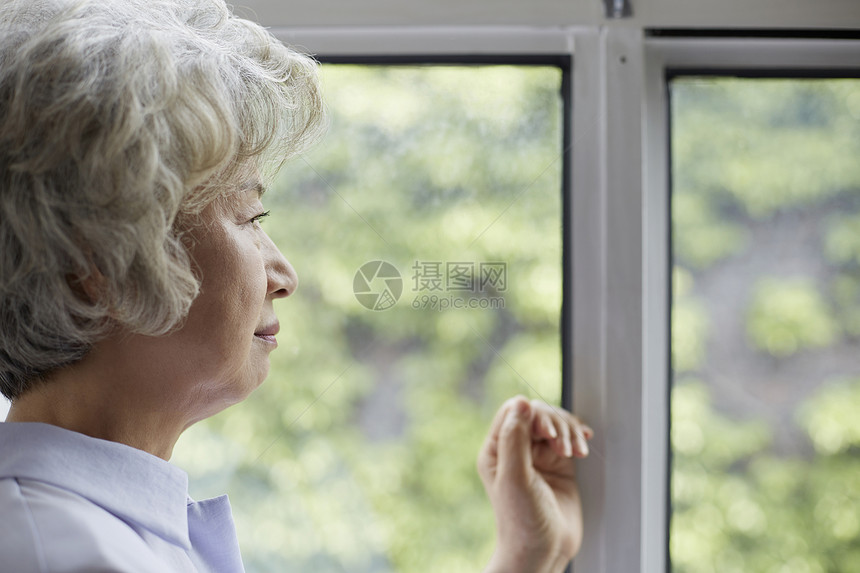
766, 325
426, 232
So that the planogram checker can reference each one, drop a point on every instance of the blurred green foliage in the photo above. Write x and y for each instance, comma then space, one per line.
739, 507
689, 324
786, 316
766, 216
358, 453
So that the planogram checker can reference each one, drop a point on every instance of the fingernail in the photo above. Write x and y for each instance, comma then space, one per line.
583, 446
553, 433
523, 409
568, 448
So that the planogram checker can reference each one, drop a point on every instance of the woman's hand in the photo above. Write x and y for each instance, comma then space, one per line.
526, 464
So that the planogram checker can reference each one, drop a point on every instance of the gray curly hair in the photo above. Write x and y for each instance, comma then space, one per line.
117, 119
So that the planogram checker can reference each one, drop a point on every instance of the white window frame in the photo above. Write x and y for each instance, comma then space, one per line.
349, 14
631, 259
621, 268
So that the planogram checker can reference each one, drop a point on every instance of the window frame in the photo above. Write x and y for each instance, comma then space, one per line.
622, 259
665, 58
831, 14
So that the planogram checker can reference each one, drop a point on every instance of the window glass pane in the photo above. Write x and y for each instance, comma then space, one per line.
358, 453
766, 325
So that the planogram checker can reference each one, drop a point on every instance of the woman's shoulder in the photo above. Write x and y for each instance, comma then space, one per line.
46, 528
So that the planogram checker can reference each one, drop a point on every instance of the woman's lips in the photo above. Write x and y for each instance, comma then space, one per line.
268, 333
270, 338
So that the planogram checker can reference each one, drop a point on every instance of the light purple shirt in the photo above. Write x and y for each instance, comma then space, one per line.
72, 503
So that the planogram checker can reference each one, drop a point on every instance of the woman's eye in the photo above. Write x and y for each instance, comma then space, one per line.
260, 217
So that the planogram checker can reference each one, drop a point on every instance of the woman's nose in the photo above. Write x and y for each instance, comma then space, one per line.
282, 278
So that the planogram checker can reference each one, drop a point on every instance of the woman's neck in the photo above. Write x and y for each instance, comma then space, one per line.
95, 398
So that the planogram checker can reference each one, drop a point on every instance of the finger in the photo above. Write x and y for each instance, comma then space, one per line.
553, 437
498, 420
543, 426
557, 445
489, 450
515, 443
578, 427
567, 446
589, 433
583, 431
573, 433
571, 439
580, 433
580, 445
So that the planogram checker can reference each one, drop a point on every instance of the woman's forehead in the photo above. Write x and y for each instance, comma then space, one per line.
250, 178
248, 191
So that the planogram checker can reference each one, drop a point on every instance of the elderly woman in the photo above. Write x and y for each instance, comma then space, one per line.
137, 287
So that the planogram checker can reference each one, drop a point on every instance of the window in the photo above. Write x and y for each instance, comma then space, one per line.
622, 259
426, 230
766, 324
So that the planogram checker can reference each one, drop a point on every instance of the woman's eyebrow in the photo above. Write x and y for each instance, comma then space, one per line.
255, 186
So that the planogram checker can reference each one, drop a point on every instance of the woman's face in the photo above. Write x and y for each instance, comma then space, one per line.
221, 352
